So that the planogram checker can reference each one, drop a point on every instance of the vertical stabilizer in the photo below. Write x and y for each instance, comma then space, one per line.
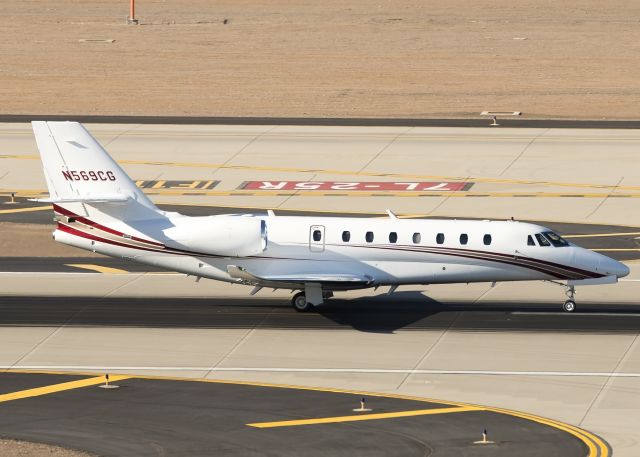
78, 169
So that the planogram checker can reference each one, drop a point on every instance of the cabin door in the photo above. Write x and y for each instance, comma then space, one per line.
316, 238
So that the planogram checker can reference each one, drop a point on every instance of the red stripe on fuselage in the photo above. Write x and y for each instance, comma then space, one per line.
84, 220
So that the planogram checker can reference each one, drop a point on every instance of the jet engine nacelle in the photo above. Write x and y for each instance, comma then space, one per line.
228, 236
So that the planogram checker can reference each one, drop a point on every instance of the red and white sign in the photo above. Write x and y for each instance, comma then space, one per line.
371, 186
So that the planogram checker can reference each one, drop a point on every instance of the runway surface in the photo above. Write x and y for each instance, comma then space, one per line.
146, 416
508, 346
407, 311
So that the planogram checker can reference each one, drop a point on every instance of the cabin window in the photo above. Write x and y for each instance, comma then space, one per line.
369, 237
346, 236
542, 241
393, 237
440, 238
464, 238
417, 238
317, 235
530, 241
486, 239
556, 239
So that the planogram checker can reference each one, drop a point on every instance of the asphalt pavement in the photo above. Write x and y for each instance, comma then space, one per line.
151, 417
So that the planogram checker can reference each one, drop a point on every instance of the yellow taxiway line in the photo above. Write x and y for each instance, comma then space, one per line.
39, 391
591, 235
475, 179
363, 417
346, 193
25, 210
98, 268
597, 447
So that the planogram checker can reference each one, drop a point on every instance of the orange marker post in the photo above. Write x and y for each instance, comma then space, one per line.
132, 13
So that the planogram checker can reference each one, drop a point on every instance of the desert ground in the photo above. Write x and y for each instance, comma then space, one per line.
442, 58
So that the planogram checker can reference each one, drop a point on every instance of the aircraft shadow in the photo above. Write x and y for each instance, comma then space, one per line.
381, 314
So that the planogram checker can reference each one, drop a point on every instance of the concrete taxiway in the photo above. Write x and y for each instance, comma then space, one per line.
507, 346
579, 175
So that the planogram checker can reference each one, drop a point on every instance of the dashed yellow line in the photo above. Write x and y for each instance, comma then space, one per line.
98, 268
593, 235
356, 173
39, 391
363, 417
311, 193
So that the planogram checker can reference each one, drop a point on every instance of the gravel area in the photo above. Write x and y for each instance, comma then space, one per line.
442, 58
25, 449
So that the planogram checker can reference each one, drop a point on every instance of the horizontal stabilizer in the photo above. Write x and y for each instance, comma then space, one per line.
107, 198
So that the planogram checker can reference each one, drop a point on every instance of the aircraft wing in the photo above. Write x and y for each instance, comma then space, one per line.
337, 280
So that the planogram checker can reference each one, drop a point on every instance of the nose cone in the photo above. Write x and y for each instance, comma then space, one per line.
613, 267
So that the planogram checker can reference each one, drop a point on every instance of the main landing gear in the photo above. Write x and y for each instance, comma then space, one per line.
570, 305
300, 303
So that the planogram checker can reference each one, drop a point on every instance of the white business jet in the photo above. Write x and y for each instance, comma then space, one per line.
100, 209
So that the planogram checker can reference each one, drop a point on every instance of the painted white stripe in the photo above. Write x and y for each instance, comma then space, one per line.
319, 370
559, 313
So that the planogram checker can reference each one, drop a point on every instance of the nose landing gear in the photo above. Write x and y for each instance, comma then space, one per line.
570, 305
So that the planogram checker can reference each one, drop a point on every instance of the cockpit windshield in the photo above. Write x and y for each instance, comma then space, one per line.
556, 239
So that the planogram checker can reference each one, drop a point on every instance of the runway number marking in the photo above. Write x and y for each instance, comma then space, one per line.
39, 391
364, 417
357, 186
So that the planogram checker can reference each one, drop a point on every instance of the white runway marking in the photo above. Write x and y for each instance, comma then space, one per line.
319, 370
558, 313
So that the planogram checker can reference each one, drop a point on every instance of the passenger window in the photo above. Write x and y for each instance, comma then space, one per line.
346, 236
417, 238
393, 237
369, 237
542, 241
317, 235
486, 239
464, 238
440, 238
530, 241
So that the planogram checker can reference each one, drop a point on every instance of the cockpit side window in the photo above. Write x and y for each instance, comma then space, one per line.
530, 241
556, 239
542, 241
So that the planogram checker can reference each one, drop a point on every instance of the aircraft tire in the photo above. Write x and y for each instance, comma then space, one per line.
300, 303
569, 306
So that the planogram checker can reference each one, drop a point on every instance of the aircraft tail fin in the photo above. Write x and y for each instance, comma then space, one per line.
78, 169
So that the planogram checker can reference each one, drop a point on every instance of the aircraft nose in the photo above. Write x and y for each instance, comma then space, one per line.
613, 267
